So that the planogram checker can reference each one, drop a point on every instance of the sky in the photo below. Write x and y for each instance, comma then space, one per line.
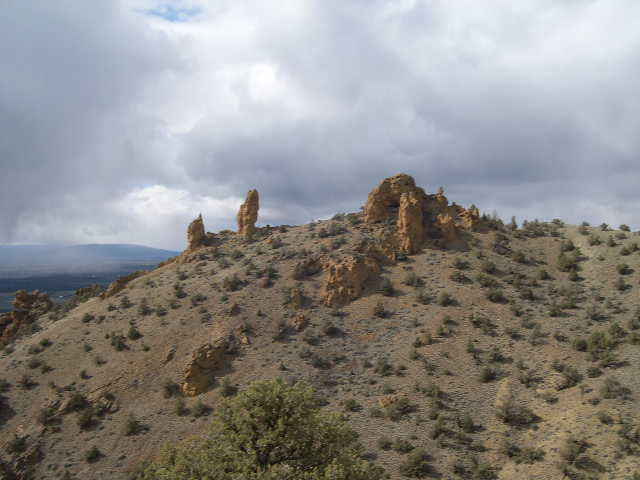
122, 120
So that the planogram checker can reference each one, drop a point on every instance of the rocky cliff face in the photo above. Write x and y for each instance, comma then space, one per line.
27, 307
248, 215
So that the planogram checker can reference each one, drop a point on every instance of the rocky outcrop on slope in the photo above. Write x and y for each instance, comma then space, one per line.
27, 307
248, 215
346, 279
200, 370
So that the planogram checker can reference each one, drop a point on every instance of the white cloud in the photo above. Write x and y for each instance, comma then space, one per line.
109, 112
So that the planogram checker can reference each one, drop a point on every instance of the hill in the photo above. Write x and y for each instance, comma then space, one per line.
505, 351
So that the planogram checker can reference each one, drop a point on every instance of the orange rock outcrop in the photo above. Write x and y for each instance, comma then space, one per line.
248, 215
346, 279
200, 370
196, 236
27, 307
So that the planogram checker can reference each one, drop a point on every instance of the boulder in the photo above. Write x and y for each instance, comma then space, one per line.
346, 279
248, 215
200, 370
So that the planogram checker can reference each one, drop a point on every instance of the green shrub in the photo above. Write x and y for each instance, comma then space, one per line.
384, 443
402, 446
352, 405
386, 287
86, 418
488, 374
379, 310
133, 426
92, 455
296, 440
496, 295
417, 464
445, 299
133, 333
227, 389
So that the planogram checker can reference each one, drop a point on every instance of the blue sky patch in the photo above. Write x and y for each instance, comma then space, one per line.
172, 13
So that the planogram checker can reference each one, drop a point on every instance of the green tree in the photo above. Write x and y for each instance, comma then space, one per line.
269, 431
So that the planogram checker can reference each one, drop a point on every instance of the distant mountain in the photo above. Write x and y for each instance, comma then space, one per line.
26, 261
61, 269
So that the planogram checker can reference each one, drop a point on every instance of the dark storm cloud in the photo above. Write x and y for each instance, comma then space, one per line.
529, 109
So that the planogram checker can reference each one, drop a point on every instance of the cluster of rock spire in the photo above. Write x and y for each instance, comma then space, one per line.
416, 214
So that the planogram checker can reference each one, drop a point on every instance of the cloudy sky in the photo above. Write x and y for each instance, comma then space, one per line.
121, 120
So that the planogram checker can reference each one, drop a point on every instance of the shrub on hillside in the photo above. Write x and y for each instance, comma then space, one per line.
270, 431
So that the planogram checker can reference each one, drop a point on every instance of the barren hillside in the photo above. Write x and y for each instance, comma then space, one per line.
505, 351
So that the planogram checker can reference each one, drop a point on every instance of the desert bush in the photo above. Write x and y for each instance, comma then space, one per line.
488, 374
133, 426
118, 342
386, 287
133, 333
16, 444
496, 295
445, 299
412, 280
398, 409
417, 464
612, 388
227, 389
296, 440
519, 454
379, 310
170, 389
487, 281
46, 416
488, 267
86, 418
352, 405
92, 455
459, 277
460, 264
232, 283
402, 446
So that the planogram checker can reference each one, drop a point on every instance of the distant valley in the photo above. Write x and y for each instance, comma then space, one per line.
60, 270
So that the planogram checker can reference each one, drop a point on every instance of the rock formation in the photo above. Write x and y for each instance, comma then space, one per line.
299, 322
205, 361
346, 279
417, 214
248, 215
195, 234
411, 231
384, 200
27, 307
